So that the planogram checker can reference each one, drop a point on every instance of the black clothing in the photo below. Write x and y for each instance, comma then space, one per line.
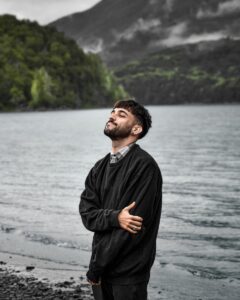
108, 291
118, 256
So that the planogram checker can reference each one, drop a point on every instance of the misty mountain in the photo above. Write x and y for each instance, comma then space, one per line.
122, 30
205, 72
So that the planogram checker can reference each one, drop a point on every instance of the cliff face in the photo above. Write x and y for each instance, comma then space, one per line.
122, 30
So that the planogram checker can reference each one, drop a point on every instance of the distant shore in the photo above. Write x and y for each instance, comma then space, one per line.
28, 110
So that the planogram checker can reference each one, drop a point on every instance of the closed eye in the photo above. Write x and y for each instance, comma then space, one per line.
120, 113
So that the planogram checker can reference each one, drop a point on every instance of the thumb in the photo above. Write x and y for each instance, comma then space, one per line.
130, 206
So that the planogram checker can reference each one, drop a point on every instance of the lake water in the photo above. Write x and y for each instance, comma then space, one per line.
45, 157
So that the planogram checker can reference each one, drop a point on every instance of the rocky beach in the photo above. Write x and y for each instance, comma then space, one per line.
30, 282
30, 278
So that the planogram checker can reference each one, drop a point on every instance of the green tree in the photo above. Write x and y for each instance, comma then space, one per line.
40, 68
17, 97
42, 90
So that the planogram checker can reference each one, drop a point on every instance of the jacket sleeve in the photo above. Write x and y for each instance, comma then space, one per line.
93, 216
146, 191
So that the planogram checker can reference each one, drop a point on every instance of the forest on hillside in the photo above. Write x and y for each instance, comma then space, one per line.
40, 68
207, 72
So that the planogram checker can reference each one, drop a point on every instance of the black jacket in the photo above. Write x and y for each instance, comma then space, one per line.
118, 256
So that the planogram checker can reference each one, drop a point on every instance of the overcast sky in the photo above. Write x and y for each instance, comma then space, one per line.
43, 11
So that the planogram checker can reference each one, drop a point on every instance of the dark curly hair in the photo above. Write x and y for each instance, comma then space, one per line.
141, 113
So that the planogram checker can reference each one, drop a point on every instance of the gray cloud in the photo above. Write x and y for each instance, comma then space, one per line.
178, 35
194, 38
140, 25
94, 45
43, 11
175, 34
223, 8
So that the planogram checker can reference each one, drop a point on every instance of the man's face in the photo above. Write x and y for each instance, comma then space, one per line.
120, 124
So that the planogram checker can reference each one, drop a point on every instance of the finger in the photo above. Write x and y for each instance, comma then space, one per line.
136, 218
131, 231
130, 206
134, 228
96, 283
137, 221
135, 224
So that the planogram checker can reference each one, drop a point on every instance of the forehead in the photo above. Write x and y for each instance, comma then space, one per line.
121, 109
124, 111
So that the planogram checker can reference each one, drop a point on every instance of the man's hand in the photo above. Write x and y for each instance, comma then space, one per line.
93, 278
129, 222
94, 283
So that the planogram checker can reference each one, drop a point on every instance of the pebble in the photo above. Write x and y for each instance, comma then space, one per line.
30, 268
15, 286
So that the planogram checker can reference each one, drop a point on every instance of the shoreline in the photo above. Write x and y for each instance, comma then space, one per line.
50, 280
234, 103
26, 278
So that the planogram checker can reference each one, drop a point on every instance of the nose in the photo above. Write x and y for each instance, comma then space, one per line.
112, 117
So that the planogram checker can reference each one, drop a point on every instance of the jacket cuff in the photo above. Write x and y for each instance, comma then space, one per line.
92, 277
114, 218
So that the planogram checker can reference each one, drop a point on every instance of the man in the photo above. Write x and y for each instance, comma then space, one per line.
121, 204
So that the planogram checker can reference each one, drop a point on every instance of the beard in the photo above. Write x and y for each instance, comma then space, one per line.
117, 133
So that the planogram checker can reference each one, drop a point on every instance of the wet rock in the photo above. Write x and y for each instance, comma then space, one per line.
14, 286
30, 268
64, 284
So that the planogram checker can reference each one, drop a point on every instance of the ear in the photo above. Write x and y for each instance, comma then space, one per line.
136, 130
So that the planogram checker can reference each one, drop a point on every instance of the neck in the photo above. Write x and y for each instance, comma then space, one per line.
118, 144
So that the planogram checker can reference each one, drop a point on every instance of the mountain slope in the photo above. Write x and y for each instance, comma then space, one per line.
120, 30
41, 69
207, 72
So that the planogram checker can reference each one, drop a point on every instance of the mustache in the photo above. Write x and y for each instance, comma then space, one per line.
111, 121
